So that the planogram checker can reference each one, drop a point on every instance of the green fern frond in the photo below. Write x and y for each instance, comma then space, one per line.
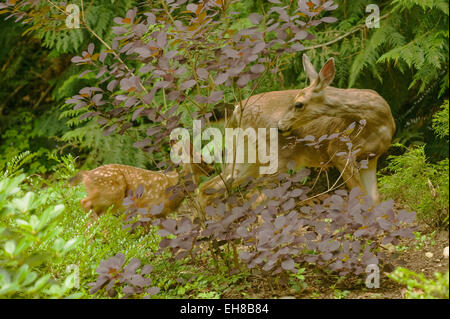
13, 166
441, 5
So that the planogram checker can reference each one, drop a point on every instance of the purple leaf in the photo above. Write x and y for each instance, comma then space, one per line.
142, 143
119, 30
78, 59
288, 265
91, 48
187, 84
136, 113
243, 80
255, 18
328, 19
221, 78
108, 131
259, 46
147, 269
257, 68
202, 73
161, 39
153, 291
112, 85
143, 52
192, 7
215, 97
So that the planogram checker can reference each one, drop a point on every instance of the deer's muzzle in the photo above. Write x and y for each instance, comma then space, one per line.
284, 127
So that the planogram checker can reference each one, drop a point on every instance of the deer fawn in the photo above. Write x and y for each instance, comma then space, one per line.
316, 110
108, 185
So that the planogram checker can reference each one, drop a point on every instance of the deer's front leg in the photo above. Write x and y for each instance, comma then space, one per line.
238, 173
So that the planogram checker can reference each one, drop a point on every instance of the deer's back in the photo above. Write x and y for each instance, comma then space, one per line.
264, 109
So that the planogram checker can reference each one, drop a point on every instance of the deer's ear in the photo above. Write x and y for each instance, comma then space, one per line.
309, 69
326, 75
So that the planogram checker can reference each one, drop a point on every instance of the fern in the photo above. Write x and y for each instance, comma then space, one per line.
420, 45
102, 149
440, 121
402, 5
14, 165
369, 56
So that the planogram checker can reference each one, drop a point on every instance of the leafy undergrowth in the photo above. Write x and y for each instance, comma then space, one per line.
50, 248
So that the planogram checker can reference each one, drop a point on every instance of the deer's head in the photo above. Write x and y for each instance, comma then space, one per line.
309, 102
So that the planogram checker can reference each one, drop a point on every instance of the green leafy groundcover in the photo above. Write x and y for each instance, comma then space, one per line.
48, 247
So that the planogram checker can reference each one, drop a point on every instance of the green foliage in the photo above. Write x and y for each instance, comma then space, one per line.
440, 121
49, 26
419, 287
297, 280
48, 245
101, 149
13, 166
418, 42
29, 236
421, 186
70, 245
37, 135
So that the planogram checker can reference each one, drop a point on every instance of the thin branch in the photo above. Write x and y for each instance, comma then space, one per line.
342, 36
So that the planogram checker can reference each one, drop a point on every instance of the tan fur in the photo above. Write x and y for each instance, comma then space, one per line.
326, 110
108, 185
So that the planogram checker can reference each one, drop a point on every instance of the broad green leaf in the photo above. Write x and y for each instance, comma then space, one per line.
58, 244
24, 243
40, 283
34, 222
25, 203
71, 244
30, 278
22, 273
21, 222
10, 246
9, 186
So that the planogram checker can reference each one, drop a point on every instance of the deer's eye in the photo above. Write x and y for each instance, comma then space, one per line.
299, 105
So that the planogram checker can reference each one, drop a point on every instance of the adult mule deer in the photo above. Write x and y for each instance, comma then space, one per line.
108, 185
317, 110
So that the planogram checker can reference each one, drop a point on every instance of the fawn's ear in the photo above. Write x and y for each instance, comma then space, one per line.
309, 69
326, 75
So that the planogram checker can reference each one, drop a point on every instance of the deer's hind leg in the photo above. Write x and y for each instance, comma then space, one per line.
241, 172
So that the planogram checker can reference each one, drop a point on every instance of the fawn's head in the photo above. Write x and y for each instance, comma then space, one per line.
309, 102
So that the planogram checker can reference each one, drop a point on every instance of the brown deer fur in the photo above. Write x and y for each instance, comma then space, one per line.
108, 185
315, 110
